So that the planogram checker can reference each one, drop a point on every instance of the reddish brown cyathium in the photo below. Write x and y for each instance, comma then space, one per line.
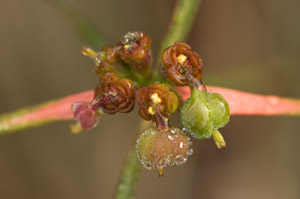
156, 103
134, 49
179, 62
114, 94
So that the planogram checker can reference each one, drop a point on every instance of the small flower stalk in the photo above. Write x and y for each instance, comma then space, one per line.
125, 77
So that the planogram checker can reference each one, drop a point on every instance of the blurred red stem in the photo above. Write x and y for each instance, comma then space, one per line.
240, 103
243, 103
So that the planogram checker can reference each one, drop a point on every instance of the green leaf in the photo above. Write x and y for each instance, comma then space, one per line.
86, 30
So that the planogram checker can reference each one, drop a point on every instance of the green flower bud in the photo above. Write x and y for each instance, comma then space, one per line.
159, 148
204, 113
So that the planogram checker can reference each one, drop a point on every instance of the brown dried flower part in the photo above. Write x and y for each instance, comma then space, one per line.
104, 59
156, 102
109, 57
114, 94
134, 49
157, 149
181, 64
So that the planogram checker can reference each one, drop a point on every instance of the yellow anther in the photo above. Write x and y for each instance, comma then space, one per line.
160, 172
151, 110
155, 98
127, 46
75, 128
219, 139
89, 52
181, 58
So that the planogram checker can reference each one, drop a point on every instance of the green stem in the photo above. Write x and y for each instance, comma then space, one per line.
86, 30
129, 176
180, 25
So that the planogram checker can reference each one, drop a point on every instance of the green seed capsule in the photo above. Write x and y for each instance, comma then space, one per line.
203, 113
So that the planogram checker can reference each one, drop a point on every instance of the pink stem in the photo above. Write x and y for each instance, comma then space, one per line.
243, 103
240, 103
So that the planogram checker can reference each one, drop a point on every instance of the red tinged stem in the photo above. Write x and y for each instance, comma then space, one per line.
240, 103
60, 109
40, 114
243, 103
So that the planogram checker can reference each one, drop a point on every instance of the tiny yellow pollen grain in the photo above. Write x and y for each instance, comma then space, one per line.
155, 98
89, 52
151, 110
127, 46
160, 173
181, 58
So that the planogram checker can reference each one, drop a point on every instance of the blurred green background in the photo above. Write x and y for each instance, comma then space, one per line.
251, 45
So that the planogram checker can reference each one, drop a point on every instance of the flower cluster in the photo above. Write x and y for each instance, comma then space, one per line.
125, 77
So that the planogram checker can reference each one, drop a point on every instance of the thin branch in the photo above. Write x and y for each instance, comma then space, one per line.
129, 176
180, 25
85, 29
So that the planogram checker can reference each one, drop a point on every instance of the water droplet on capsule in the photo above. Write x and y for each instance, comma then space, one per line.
181, 145
124, 40
171, 137
190, 151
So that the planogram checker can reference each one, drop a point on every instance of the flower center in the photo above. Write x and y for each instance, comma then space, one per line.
155, 98
181, 58
151, 110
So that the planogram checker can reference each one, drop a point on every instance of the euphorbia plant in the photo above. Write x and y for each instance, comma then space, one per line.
126, 74
160, 145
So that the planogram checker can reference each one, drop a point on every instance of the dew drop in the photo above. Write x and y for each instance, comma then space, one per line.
171, 137
190, 151
140, 34
181, 145
148, 164
178, 157
124, 40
